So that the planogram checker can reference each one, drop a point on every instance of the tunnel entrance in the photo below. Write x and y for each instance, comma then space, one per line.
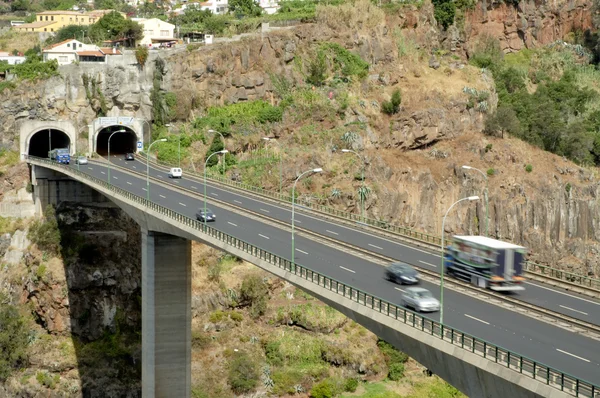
120, 143
44, 140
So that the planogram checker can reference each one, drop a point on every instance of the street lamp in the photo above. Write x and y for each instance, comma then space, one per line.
485, 197
109, 137
148, 167
224, 151
149, 131
280, 161
362, 178
223, 138
470, 199
317, 170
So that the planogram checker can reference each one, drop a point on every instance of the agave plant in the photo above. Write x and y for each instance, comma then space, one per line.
336, 193
363, 192
349, 137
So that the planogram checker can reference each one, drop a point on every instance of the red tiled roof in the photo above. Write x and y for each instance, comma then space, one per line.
91, 53
57, 44
109, 51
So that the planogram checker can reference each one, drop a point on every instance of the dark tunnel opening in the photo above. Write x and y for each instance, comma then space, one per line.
120, 143
45, 140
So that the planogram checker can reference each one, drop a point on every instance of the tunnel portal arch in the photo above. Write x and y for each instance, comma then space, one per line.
37, 137
120, 143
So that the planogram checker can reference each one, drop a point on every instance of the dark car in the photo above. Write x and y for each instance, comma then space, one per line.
402, 273
210, 216
129, 156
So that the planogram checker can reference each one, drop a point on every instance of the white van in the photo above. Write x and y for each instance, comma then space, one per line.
175, 172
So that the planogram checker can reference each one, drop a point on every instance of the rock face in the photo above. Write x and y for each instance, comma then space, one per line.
530, 24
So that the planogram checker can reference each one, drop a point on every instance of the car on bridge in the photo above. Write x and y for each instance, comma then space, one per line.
200, 215
402, 273
419, 299
129, 156
81, 160
175, 172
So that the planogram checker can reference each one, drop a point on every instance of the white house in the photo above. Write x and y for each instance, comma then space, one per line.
155, 31
269, 6
65, 52
215, 6
11, 59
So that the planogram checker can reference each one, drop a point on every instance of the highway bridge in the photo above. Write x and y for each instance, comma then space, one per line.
489, 345
541, 342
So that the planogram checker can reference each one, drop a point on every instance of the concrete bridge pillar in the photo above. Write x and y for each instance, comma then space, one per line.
166, 315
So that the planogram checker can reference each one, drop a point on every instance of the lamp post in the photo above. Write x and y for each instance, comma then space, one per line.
280, 161
148, 167
223, 138
470, 199
224, 151
109, 137
317, 170
485, 196
149, 131
362, 178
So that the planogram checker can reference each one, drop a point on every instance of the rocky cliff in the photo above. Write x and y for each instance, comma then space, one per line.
414, 157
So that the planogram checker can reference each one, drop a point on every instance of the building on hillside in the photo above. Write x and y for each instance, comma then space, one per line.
156, 32
65, 52
12, 59
100, 55
215, 6
269, 6
52, 21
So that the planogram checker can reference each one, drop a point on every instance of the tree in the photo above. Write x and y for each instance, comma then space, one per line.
444, 11
317, 70
13, 340
70, 32
393, 106
243, 374
20, 5
504, 120
245, 8
215, 146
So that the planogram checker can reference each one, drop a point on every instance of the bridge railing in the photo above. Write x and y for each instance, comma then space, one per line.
429, 239
519, 363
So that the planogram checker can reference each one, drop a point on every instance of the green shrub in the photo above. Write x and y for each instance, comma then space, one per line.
323, 389
200, 340
141, 55
351, 385
393, 106
347, 62
243, 374
396, 371
236, 316
13, 340
45, 233
491, 171
444, 11
529, 168
47, 380
317, 70
254, 293
214, 272
217, 316
272, 353
568, 187
391, 354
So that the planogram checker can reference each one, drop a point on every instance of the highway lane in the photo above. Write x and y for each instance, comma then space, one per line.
518, 333
556, 299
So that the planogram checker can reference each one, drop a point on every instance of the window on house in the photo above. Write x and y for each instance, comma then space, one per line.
52, 18
46, 17
79, 45
70, 19
41, 18
68, 44
164, 33
45, 30
51, 29
63, 59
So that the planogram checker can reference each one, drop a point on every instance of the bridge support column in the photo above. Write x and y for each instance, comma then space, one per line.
166, 315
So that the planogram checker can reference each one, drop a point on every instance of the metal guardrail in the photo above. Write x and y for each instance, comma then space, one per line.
526, 366
534, 268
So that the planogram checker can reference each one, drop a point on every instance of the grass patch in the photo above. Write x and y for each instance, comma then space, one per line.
435, 388
9, 158
226, 118
376, 390
313, 317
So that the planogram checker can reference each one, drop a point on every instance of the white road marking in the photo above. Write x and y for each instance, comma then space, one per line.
162, 196
477, 319
266, 211
376, 247
183, 204
90, 168
558, 291
102, 172
116, 178
426, 263
214, 194
158, 175
301, 251
296, 221
237, 201
397, 288
346, 269
193, 187
573, 355
129, 183
230, 223
144, 189
331, 232
569, 308
263, 236
134, 167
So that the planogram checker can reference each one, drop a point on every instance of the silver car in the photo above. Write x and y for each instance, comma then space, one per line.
419, 299
81, 160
